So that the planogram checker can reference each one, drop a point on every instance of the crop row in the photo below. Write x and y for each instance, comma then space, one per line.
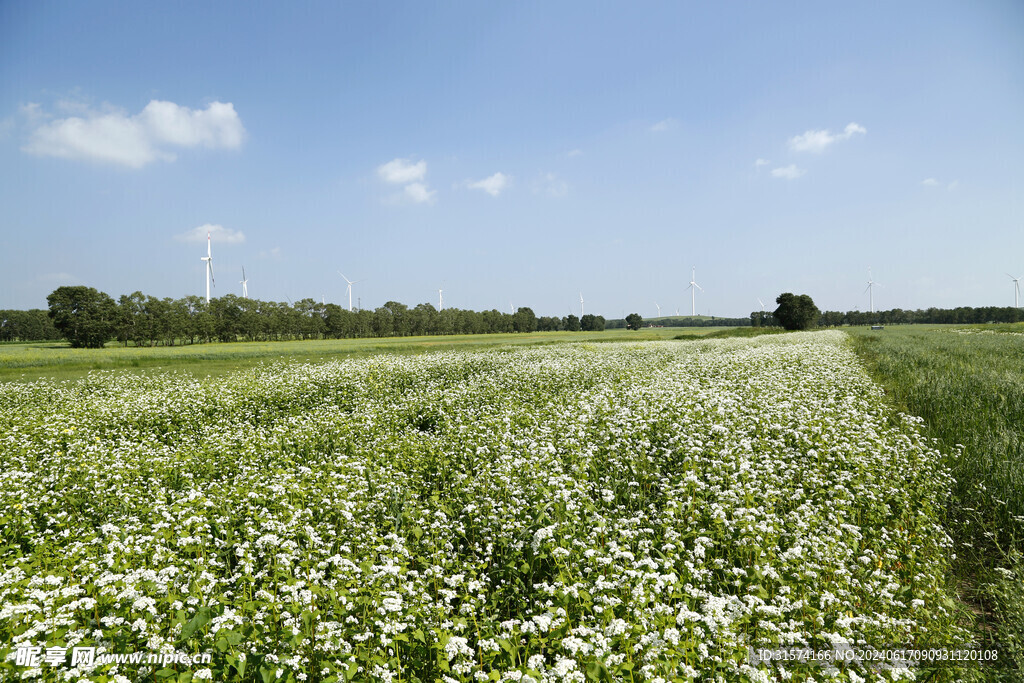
633, 512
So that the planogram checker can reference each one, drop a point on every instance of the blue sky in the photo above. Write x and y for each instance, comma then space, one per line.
516, 153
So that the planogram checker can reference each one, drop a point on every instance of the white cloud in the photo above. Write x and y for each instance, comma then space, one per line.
932, 182
218, 234
492, 185
761, 162
419, 193
852, 128
112, 138
216, 126
819, 140
412, 175
574, 153
551, 185
790, 172
133, 141
663, 125
402, 171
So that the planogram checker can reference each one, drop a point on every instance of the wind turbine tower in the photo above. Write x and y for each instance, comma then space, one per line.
350, 283
871, 292
209, 266
658, 307
693, 292
440, 299
1016, 290
244, 282
581, 305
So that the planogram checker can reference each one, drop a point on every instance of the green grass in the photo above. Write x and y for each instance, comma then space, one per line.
728, 332
27, 362
967, 383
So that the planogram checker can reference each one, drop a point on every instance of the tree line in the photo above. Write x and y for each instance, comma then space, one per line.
32, 325
964, 315
89, 318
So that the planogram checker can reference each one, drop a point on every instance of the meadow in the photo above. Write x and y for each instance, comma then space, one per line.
31, 361
967, 385
569, 512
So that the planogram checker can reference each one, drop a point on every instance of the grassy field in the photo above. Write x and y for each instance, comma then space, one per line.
636, 512
967, 383
26, 362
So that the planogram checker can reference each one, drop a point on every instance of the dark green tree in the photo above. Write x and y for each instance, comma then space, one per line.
524, 320
85, 316
634, 321
796, 312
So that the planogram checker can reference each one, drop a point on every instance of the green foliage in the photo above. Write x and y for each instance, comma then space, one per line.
87, 318
968, 387
734, 332
607, 512
796, 312
524, 320
33, 325
634, 321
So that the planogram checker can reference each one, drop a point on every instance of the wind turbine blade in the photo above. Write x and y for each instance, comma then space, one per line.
868, 287
698, 286
213, 280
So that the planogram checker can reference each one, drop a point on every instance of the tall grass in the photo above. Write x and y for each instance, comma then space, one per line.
968, 386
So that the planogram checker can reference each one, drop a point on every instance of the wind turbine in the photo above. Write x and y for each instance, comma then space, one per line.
350, 283
693, 292
1016, 290
581, 305
209, 266
762, 304
871, 292
658, 307
440, 299
244, 282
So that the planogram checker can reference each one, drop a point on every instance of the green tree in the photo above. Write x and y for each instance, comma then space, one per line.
634, 321
796, 312
85, 316
524, 320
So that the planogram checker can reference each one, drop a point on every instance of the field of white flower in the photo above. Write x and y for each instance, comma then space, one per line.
636, 512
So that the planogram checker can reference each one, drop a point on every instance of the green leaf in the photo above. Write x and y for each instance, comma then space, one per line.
202, 618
